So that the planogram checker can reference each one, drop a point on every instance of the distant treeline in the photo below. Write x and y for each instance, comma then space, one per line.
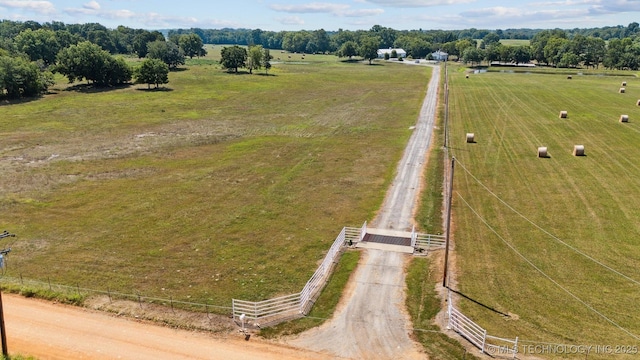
311, 41
30, 52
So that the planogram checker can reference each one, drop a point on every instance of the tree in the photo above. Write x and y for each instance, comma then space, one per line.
464, 44
20, 77
555, 49
472, 55
191, 45
492, 53
594, 51
168, 52
369, 48
490, 39
255, 58
233, 57
117, 72
521, 54
267, 61
152, 71
40, 44
348, 49
88, 61
142, 38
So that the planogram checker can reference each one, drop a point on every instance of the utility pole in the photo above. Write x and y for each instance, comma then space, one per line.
446, 105
3, 336
446, 245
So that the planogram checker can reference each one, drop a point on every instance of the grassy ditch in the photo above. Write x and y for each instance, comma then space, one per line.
423, 304
325, 305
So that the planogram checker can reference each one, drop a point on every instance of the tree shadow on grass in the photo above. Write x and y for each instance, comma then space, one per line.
349, 61
179, 69
92, 88
5, 101
263, 74
239, 72
154, 89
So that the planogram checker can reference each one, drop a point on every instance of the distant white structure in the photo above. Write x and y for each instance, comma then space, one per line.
399, 52
439, 55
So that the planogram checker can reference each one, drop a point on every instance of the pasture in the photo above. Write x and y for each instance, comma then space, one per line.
218, 186
553, 242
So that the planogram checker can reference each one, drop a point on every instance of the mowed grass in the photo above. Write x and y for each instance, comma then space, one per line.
219, 186
590, 203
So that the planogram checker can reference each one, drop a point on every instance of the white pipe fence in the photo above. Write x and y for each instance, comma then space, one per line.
473, 332
426, 242
282, 308
296, 305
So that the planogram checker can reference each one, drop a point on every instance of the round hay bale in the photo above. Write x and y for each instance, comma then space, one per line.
624, 118
578, 150
569, 77
624, 83
622, 90
638, 103
471, 137
542, 152
563, 114
467, 76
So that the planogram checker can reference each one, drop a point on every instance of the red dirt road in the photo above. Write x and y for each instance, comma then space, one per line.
53, 331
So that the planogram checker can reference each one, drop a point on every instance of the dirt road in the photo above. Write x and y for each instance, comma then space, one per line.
371, 322
52, 331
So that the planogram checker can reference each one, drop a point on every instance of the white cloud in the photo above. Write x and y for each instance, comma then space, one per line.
310, 8
290, 20
418, 3
37, 6
326, 8
92, 5
511, 17
362, 12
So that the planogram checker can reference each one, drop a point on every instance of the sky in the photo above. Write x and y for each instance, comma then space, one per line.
330, 15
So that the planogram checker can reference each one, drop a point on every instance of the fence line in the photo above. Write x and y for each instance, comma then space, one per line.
297, 305
477, 335
67, 289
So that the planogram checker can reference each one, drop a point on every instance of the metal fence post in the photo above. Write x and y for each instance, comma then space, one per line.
484, 341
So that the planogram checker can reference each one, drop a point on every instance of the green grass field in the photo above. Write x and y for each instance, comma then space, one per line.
590, 203
218, 186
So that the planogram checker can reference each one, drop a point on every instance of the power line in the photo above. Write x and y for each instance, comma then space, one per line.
546, 232
545, 275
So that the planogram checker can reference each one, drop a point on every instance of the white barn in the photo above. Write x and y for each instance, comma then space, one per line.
439, 56
400, 52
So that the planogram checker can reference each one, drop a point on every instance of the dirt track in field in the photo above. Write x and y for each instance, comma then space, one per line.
370, 323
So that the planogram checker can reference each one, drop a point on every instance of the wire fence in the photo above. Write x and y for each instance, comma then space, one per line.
30, 287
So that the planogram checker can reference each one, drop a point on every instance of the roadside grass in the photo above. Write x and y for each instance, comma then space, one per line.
17, 357
325, 305
423, 304
588, 202
222, 186
41, 293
